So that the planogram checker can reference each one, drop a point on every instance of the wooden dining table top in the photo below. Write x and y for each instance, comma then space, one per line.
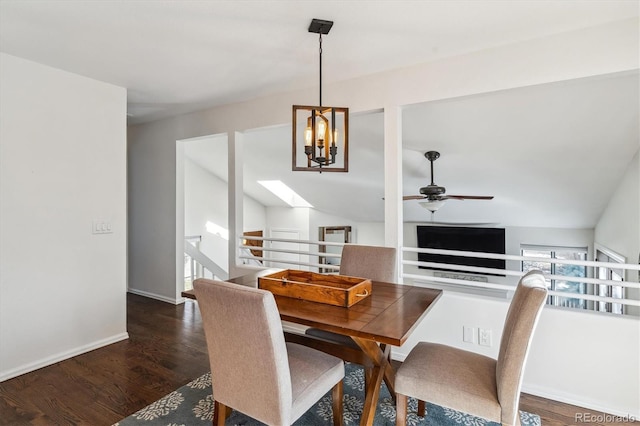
388, 315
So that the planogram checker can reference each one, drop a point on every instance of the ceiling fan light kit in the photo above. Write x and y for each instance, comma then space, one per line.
434, 194
320, 133
432, 206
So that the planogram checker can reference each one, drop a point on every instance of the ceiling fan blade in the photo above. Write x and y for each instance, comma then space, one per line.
436, 194
413, 197
469, 197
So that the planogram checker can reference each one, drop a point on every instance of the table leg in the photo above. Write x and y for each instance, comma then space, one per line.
389, 373
381, 370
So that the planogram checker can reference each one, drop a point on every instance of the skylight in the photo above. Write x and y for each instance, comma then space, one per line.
285, 193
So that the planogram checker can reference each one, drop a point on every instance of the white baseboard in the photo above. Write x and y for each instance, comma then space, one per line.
15, 372
155, 296
397, 355
577, 400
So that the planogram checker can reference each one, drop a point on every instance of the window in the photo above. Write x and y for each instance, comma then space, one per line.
569, 282
613, 274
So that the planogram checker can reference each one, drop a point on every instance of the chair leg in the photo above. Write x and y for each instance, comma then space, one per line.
401, 409
336, 395
220, 413
422, 408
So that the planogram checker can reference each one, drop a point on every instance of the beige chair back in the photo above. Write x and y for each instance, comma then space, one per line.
520, 323
372, 262
247, 352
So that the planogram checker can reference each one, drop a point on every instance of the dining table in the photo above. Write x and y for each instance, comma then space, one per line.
385, 318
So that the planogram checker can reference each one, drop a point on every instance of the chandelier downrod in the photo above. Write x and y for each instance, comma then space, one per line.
320, 52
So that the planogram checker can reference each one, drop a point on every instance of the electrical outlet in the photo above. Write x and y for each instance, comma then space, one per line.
484, 337
468, 334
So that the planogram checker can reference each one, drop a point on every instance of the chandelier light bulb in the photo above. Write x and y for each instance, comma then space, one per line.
308, 136
322, 129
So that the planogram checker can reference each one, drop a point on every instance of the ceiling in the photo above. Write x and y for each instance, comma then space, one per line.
180, 56
551, 155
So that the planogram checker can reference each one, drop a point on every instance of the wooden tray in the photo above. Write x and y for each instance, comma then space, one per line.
338, 290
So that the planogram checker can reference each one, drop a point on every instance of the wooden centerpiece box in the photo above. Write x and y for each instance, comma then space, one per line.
338, 290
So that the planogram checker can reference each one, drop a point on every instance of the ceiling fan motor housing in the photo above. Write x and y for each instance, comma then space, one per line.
434, 193
432, 190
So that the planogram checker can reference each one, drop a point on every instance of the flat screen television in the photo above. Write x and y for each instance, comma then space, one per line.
487, 240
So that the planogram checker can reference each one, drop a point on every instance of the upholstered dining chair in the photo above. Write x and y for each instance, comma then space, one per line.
470, 382
253, 370
372, 262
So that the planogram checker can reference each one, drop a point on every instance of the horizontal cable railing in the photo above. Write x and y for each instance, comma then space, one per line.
294, 262
312, 257
518, 273
267, 250
521, 258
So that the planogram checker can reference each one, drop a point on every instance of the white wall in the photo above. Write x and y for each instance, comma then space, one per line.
285, 218
370, 233
584, 53
62, 166
254, 215
583, 358
151, 182
618, 228
205, 200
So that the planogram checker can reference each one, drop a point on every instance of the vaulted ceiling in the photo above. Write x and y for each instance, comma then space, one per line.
177, 56
551, 155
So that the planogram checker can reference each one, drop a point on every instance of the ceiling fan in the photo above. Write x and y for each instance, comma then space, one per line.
435, 195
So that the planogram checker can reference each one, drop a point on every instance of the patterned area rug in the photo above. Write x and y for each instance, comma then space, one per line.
192, 404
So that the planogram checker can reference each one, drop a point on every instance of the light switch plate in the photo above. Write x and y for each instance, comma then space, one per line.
101, 227
469, 334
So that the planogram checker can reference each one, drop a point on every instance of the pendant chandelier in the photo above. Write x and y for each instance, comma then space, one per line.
320, 133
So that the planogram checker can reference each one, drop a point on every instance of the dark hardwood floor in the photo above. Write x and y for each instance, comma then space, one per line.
166, 350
